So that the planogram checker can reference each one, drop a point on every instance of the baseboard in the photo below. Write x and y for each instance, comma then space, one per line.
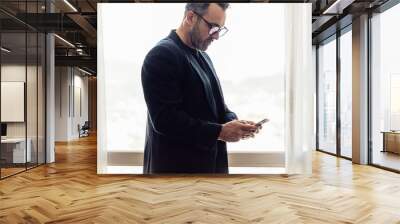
236, 159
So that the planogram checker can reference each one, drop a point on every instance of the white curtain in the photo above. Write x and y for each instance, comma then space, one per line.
101, 99
299, 89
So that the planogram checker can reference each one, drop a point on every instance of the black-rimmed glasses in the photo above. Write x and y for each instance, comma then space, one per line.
213, 28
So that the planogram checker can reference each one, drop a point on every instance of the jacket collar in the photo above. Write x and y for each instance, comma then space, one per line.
174, 36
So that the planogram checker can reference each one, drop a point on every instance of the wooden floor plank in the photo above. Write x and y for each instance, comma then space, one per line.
70, 191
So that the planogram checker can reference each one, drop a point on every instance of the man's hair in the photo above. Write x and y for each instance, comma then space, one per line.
201, 8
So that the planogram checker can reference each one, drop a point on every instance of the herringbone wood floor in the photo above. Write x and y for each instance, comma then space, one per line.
69, 191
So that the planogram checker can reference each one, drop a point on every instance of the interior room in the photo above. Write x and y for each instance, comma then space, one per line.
94, 110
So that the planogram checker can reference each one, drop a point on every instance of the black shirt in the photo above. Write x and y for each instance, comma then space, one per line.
213, 82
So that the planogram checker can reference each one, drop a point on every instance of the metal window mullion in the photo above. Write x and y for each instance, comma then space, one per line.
338, 96
73, 91
26, 86
45, 91
37, 90
69, 92
317, 96
369, 90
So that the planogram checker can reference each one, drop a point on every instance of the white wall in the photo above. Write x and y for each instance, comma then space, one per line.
62, 81
70, 83
79, 117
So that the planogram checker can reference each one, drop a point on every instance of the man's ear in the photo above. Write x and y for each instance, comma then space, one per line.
190, 18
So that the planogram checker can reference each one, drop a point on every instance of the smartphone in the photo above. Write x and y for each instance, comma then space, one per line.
262, 122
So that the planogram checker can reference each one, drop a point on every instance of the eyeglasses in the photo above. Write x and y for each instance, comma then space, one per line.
213, 28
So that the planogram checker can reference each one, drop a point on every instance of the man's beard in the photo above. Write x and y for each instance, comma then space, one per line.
196, 40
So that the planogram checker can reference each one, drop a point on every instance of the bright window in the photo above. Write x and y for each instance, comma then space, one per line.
249, 61
327, 97
346, 94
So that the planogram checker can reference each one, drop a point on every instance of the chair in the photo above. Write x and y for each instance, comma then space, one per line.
84, 130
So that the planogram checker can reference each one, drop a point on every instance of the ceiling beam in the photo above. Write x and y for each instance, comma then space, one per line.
337, 6
84, 61
83, 23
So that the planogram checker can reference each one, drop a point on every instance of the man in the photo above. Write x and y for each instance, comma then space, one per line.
188, 123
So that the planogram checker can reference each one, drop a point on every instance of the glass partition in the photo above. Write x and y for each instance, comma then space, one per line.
14, 153
22, 77
32, 94
41, 107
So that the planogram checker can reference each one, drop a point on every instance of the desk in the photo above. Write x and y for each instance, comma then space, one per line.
15, 148
391, 141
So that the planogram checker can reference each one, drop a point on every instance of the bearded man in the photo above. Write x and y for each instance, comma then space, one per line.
188, 122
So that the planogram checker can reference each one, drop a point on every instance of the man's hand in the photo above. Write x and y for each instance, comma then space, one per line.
259, 127
234, 130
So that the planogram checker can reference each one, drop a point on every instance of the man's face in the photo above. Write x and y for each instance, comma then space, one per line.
199, 33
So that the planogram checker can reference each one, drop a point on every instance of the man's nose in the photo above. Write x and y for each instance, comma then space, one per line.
215, 36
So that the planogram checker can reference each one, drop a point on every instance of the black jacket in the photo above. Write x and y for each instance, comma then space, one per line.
184, 113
